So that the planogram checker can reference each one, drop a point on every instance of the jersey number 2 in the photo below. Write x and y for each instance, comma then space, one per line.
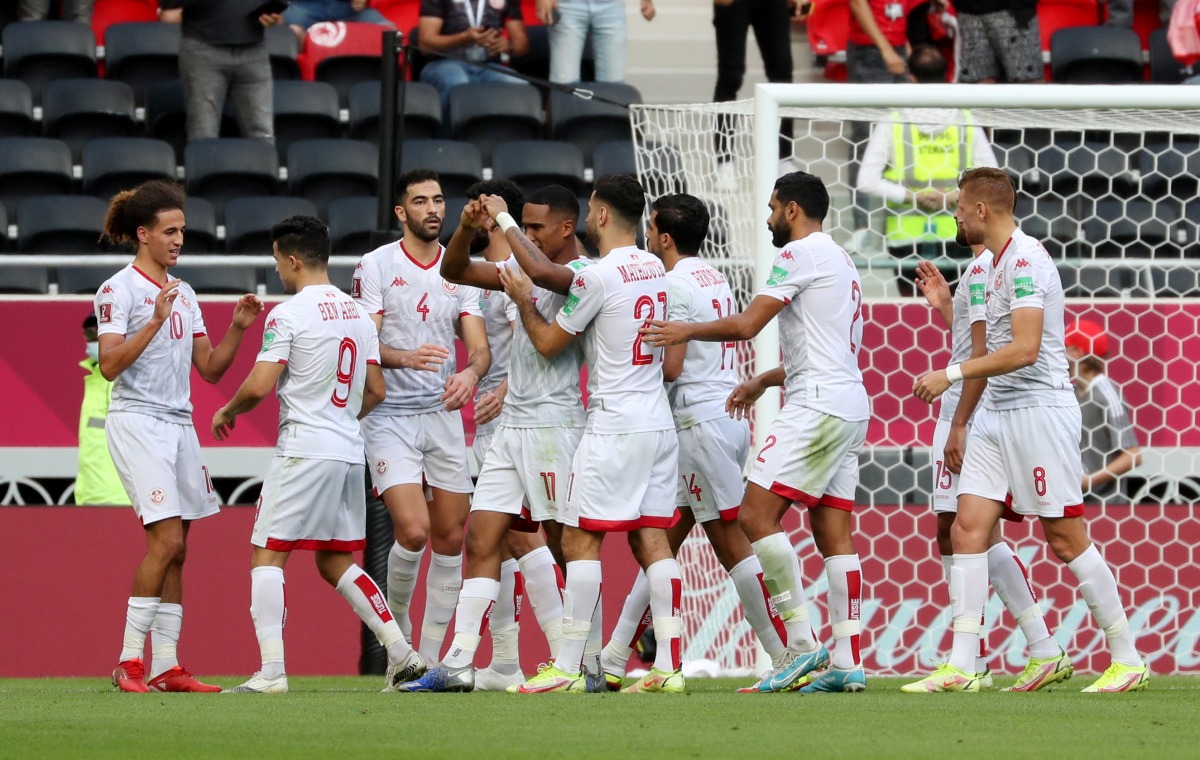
346, 361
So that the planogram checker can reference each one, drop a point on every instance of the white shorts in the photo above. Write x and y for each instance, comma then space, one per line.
623, 482
712, 455
525, 472
417, 448
317, 504
480, 447
945, 483
1027, 458
811, 458
161, 467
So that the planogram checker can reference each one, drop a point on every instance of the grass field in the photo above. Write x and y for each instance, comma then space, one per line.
348, 718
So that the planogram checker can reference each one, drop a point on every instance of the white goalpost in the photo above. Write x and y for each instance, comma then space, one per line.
1107, 177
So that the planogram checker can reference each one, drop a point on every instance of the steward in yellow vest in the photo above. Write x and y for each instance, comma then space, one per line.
97, 482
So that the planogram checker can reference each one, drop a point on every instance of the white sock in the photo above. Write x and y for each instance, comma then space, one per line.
139, 616
968, 594
844, 573
268, 610
635, 618
760, 613
368, 602
581, 598
543, 589
475, 603
781, 573
442, 585
164, 637
1011, 581
403, 566
1099, 589
666, 599
505, 625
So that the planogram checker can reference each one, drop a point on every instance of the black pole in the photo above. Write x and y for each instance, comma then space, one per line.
391, 79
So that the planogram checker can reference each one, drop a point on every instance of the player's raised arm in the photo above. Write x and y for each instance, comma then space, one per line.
741, 326
211, 363
460, 387
542, 271
456, 261
548, 338
257, 386
931, 284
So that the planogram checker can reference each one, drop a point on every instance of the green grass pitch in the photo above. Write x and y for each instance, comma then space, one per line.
347, 718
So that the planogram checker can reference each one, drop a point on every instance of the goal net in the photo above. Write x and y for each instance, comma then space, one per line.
1106, 177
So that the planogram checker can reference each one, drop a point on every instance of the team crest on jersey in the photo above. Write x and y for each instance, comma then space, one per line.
450, 287
105, 313
186, 303
381, 466
158, 496
398, 282
999, 279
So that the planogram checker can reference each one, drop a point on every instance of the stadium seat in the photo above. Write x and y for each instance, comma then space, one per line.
340, 275
1096, 167
201, 221
588, 123
454, 208
107, 13
304, 111
166, 116
342, 53
1083, 280
324, 170
78, 110
140, 54
1164, 67
533, 164
1128, 228
352, 223
1062, 14
16, 109
19, 280
615, 157
1175, 281
80, 279
223, 169
458, 164
4, 241
422, 111
489, 113
248, 221
112, 164
223, 280
1096, 55
32, 166
283, 49
60, 224
37, 52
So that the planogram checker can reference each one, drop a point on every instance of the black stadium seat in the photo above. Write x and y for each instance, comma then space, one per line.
1096, 55
16, 109
166, 116
32, 166
422, 111
112, 164
615, 157
489, 113
590, 122
351, 224
201, 221
60, 224
248, 221
78, 110
459, 164
223, 169
534, 164
37, 52
80, 279
140, 53
226, 280
1165, 68
283, 47
324, 170
33, 280
304, 111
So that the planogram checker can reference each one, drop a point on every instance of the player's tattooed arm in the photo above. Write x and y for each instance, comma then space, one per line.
212, 362
257, 386
741, 401
547, 337
117, 352
741, 326
542, 271
460, 387
375, 390
456, 261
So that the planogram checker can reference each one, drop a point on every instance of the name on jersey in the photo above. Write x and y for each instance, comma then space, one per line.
342, 310
708, 277
639, 272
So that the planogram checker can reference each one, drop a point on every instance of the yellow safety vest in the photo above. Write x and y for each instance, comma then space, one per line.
97, 482
921, 161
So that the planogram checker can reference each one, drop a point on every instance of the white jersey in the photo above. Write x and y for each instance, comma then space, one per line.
326, 340
418, 307
820, 327
1024, 276
499, 312
696, 292
543, 392
970, 306
612, 300
158, 383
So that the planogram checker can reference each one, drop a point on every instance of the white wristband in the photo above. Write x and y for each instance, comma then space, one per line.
505, 222
954, 374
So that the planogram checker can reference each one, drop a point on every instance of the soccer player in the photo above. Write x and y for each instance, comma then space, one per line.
151, 334
1024, 440
416, 435
810, 453
320, 353
623, 474
540, 426
712, 445
964, 314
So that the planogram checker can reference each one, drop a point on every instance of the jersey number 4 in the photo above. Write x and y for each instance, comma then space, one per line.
644, 310
346, 361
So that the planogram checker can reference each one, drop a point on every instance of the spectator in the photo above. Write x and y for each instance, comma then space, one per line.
223, 50
1120, 12
470, 33
572, 22
998, 40
920, 185
875, 51
301, 14
97, 481
72, 10
1109, 447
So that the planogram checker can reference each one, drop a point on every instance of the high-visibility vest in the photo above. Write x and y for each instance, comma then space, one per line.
97, 481
921, 161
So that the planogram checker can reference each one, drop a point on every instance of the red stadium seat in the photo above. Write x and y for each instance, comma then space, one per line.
338, 39
828, 28
105, 13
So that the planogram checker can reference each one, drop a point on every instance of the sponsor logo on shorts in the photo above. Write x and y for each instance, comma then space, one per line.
778, 275
1023, 286
158, 496
381, 466
450, 287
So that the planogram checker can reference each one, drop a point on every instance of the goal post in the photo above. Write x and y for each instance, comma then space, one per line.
1107, 177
